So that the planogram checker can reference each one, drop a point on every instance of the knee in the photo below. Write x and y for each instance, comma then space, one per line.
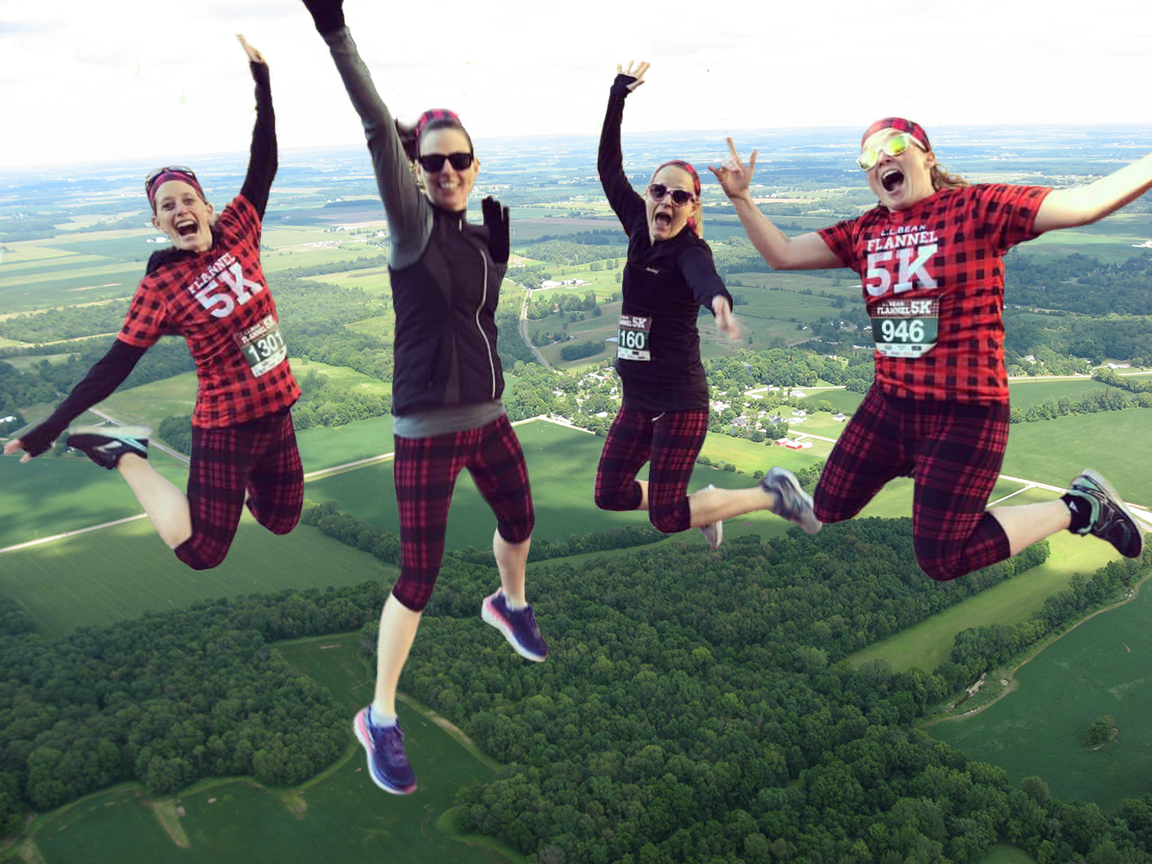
516, 535
412, 594
669, 520
939, 562
198, 558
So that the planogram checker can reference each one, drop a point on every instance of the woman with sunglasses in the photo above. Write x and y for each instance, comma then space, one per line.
209, 288
663, 419
929, 256
447, 382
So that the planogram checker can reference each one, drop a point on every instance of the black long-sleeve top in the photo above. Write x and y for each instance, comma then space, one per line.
110, 371
664, 285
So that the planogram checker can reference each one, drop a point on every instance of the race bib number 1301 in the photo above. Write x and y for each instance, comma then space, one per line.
263, 346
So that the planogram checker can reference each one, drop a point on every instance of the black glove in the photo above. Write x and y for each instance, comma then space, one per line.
496, 221
620, 85
327, 15
39, 439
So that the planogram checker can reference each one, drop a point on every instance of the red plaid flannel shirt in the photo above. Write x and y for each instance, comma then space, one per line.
947, 248
213, 299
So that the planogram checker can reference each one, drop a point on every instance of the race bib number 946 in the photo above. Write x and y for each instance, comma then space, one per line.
634, 332
263, 346
906, 328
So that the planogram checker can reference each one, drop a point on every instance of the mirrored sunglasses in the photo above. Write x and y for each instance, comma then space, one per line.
433, 162
893, 146
680, 197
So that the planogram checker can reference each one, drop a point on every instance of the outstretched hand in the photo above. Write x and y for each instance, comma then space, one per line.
14, 445
725, 320
254, 56
735, 177
496, 221
637, 73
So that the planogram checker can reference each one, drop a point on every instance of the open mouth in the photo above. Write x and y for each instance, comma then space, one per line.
892, 179
664, 220
186, 229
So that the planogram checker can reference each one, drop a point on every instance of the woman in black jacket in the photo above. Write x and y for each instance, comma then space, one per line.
447, 381
664, 416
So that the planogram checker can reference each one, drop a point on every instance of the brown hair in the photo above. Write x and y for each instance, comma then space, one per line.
430, 121
941, 179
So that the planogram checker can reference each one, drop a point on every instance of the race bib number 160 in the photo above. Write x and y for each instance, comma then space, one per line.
634, 332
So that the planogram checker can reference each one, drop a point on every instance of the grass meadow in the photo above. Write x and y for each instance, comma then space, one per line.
926, 645
338, 816
1002, 853
1100, 667
123, 571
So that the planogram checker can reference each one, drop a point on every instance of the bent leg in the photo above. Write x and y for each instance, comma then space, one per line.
166, 506
501, 476
869, 453
276, 482
959, 451
625, 451
220, 462
677, 437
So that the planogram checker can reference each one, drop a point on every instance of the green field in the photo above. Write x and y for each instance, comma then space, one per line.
1100, 667
115, 573
1055, 451
1026, 392
339, 816
149, 404
928, 644
1002, 853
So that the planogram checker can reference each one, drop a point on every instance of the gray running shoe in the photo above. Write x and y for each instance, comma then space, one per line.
792, 502
1109, 520
714, 531
104, 445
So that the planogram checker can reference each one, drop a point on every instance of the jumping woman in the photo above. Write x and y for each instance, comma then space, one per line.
447, 410
929, 257
663, 419
209, 288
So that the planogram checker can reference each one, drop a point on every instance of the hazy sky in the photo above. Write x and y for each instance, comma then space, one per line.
164, 81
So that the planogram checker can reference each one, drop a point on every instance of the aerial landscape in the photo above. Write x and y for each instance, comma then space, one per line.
784, 698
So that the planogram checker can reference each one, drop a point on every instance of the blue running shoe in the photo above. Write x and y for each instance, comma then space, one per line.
714, 531
104, 445
792, 502
387, 761
1109, 519
519, 626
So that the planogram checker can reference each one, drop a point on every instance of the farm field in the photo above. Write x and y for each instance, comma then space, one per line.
929, 643
123, 571
153, 402
1100, 667
339, 816
1026, 392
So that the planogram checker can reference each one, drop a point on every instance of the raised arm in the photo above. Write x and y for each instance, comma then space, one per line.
408, 211
262, 162
105, 376
610, 162
804, 252
1083, 205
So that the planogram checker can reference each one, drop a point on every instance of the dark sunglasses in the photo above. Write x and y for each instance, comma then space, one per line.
680, 197
167, 169
434, 162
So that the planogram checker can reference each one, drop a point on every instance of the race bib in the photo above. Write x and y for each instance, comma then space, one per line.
906, 328
263, 346
634, 332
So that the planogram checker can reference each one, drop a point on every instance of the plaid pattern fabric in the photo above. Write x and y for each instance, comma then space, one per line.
211, 299
900, 125
948, 249
258, 457
425, 470
670, 442
434, 114
952, 450
683, 166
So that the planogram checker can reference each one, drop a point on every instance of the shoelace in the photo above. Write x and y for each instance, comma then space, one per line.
392, 744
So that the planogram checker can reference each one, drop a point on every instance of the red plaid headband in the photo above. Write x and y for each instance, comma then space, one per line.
166, 174
434, 114
900, 125
686, 166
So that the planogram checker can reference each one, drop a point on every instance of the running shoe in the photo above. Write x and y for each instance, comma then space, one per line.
792, 502
387, 761
1109, 519
104, 445
519, 626
714, 531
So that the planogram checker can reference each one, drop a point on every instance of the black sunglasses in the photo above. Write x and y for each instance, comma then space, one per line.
433, 162
680, 197
167, 169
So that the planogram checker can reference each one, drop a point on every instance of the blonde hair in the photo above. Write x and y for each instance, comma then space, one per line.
941, 179
696, 221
